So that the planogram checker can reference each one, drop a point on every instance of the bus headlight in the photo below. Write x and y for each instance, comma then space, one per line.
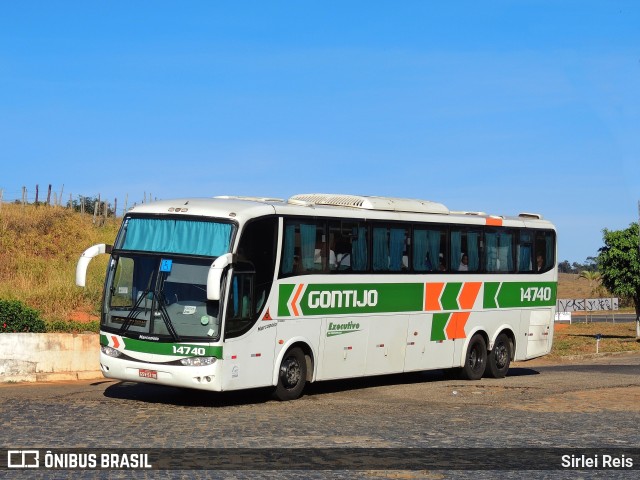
197, 361
110, 351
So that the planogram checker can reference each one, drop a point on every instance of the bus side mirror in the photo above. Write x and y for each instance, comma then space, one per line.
85, 259
214, 277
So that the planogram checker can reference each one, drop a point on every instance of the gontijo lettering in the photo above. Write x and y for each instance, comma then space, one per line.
340, 298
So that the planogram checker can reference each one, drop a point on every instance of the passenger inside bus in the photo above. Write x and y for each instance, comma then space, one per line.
464, 263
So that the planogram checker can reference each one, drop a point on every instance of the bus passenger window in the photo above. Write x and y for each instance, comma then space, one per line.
465, 250
304, 248
524, 252
499, 251
427, 255
545, 251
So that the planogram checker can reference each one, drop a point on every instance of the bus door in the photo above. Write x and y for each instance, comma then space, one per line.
248, 343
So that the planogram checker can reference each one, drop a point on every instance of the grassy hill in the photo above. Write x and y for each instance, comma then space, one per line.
39, 248
570, 285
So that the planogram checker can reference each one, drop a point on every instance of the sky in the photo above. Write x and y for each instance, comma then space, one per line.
500, 106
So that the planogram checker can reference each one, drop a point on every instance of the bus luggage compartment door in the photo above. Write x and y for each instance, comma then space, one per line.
539, 332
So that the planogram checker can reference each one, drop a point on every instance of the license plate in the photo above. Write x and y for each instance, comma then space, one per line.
148, 373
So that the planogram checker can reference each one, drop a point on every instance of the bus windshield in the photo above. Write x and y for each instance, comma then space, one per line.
161, 296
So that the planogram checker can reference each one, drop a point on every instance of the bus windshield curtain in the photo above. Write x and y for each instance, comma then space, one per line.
472, 251
359, 249
307, 245
492, 251
380, 249
456, 250
188, 237
289, 248
420, 251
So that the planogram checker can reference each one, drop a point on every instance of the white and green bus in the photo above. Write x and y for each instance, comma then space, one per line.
230, 293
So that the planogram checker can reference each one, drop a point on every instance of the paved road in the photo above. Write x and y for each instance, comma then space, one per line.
583, 405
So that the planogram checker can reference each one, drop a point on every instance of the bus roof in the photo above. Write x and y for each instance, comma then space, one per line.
242, 208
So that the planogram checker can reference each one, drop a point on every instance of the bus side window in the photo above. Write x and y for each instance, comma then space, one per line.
304, 248
499, 251
525, 259
465, 250
389, 248
239, 308
348, 246
545, 254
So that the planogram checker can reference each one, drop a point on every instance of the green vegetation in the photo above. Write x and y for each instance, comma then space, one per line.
580, 338
39, 249
619, 265
17, 317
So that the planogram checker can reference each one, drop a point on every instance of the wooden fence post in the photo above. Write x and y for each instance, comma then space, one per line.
96, 206
24, 196
49, 195
37, 192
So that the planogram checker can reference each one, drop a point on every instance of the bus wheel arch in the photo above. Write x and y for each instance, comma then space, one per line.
293, 372
501, 355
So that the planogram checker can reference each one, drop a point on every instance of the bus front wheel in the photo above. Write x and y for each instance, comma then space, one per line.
500, 357
292, 375
476, 359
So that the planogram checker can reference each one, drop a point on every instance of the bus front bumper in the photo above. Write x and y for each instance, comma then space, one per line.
204, 377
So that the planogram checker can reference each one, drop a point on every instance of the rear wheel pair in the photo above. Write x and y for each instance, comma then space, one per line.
478, 362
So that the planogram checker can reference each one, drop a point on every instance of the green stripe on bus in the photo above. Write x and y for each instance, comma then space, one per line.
347, 298
168, 348
490, 291
449, 298
519, 294
438, 325
283, 298
185, 349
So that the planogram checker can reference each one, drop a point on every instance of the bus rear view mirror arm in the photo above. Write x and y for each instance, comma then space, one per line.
85, 259
214, 277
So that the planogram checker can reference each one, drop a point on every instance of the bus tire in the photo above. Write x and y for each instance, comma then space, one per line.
500, 357
475, 361
292, 375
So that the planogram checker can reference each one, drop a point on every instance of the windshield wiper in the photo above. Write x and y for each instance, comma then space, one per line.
134, 310
131, 316
166, 319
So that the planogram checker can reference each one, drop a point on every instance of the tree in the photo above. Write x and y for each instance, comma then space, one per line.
619, 265
564, 267
593, 277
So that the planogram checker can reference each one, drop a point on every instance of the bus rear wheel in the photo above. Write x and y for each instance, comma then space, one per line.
292, 375
476, 359
500, 357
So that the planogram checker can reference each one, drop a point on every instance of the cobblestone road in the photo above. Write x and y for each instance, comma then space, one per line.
584, 405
